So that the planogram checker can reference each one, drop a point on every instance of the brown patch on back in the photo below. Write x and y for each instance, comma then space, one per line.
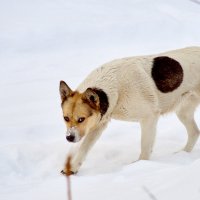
167, 73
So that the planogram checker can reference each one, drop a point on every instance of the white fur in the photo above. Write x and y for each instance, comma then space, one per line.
133, 96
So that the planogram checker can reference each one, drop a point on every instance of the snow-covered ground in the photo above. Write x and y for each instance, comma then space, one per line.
42, 42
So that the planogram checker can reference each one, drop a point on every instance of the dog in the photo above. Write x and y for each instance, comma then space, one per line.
138, 89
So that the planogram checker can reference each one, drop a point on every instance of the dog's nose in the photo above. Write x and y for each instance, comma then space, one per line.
70, 138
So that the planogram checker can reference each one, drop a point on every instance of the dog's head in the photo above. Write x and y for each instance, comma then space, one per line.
82, 112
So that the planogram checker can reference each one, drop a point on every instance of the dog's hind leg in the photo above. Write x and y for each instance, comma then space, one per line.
148, 133
185, 114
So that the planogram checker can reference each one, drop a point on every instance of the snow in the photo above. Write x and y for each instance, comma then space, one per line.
43, 42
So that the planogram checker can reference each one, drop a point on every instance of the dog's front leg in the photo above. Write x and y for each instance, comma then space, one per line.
148, 129
83, 148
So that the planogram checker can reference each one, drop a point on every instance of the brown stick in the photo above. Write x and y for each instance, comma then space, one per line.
68, 173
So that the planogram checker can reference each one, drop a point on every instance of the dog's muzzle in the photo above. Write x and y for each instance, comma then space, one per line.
73, 135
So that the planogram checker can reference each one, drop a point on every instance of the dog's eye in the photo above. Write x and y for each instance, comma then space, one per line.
66, 119
81, 119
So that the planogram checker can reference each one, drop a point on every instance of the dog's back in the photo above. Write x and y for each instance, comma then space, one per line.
145, 83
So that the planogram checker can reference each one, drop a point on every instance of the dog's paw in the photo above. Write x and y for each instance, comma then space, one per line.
63, 172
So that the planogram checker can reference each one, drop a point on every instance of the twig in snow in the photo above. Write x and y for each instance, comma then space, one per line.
149, 193
68, 173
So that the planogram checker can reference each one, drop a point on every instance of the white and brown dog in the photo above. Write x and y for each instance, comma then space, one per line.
133, 89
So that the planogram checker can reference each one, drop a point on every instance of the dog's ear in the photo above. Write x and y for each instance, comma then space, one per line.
91, 97
65, 91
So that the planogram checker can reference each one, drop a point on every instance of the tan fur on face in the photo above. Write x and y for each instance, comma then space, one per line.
74, 108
